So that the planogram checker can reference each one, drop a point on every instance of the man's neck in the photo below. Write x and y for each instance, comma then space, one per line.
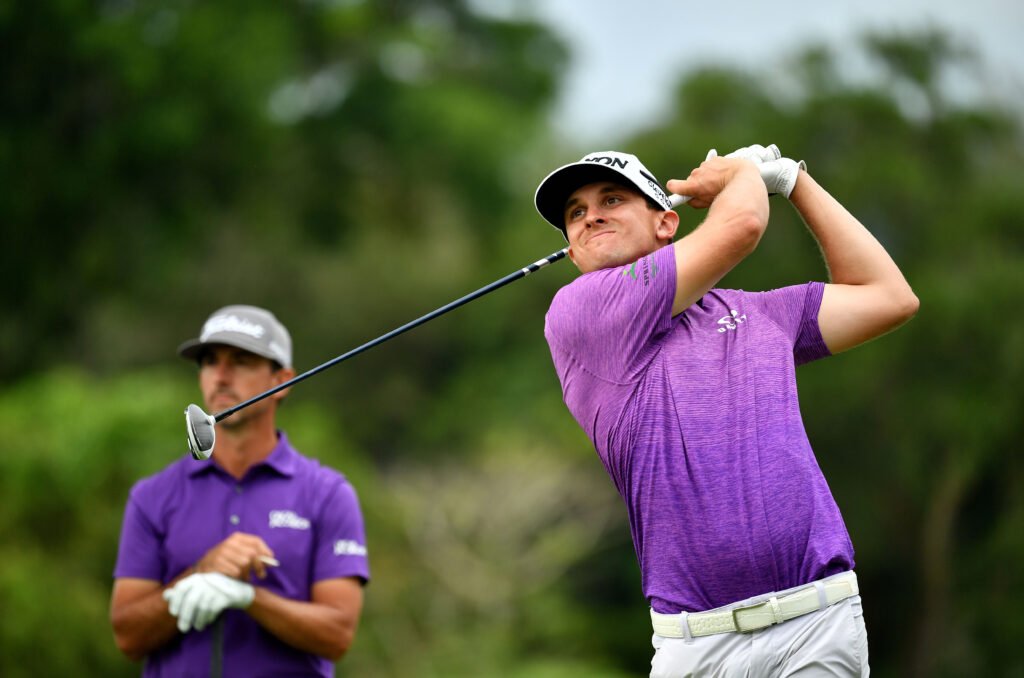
240, 449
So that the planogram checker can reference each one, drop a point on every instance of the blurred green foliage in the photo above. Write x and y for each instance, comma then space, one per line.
353, 165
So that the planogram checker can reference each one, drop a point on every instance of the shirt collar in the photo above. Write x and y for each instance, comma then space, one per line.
281, 460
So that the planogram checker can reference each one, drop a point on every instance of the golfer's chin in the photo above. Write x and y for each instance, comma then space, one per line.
601, 259
220, 402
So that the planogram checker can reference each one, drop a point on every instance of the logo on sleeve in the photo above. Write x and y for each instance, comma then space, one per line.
731, 321
288, 519
648, 268
348, 547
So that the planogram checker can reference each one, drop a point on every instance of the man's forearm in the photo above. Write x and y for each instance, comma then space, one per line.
735, 222
312, 627
852, 254
143, 625
869, 295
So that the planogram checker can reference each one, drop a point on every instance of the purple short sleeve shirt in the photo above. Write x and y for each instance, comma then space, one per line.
307, 514
697, 421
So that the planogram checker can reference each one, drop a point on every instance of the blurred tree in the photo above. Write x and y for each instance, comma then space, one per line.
156, 156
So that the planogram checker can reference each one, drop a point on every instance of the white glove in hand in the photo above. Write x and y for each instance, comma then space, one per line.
199, 598
780, 175
757, 153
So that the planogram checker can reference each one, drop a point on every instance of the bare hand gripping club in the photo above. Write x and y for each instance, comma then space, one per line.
200, 425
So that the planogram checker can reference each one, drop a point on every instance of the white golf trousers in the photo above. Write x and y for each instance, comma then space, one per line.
828, 642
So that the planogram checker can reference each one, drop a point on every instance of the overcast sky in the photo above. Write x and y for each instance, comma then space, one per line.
627, 54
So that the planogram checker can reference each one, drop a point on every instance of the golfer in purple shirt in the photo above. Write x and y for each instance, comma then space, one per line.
252, 563
688, 393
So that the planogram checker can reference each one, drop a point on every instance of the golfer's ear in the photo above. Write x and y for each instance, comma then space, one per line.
280, 376
667, 225
572, 257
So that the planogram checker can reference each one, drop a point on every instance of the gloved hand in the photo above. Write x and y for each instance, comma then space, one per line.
199, 598
757, 153
780, 175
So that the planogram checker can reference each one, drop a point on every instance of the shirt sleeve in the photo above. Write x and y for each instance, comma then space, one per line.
795, 311
340, 549
608, 320
138, 552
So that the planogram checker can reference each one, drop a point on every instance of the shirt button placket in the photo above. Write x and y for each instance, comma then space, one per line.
236, 507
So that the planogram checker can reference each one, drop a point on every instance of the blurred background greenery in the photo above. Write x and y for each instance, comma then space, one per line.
352, 165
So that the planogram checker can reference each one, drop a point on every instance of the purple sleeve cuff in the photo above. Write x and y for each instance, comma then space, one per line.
810, 345
342, 549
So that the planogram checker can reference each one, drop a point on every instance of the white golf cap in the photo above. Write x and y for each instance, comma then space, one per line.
247, 327
621, 168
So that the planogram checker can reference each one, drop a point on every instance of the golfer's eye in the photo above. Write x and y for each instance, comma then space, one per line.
613, 200
576, 212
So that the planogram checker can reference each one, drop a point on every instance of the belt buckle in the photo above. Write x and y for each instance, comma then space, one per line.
736, 619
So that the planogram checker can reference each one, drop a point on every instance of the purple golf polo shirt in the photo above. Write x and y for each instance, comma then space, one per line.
307, 514
697, 421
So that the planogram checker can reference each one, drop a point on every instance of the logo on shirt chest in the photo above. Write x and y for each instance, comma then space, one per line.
288, 519
731, 321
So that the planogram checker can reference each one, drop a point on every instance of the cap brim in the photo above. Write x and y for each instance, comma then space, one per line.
554, 191
193, 348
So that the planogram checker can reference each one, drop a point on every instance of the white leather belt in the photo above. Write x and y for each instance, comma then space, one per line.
772, 610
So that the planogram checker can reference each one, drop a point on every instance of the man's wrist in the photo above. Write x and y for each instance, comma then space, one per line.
187, 572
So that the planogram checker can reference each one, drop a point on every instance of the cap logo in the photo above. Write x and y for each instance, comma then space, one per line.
608, 160
231, 323
656, 187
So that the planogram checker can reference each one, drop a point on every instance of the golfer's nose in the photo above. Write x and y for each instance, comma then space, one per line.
594, 217
222, 370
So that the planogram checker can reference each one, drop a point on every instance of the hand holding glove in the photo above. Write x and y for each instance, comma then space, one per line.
199, 598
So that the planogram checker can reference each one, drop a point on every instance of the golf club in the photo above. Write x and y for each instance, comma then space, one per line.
200, 425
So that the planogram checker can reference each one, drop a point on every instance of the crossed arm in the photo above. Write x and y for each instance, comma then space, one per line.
325, 625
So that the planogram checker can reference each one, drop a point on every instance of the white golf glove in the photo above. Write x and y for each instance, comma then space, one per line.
757, 153
779, 174
199, 598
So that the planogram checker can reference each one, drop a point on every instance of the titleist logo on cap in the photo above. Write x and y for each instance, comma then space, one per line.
231, 323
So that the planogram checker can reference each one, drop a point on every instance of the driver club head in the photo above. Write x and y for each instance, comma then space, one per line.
201, 435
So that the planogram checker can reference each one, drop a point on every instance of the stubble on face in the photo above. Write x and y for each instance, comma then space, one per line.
230, 376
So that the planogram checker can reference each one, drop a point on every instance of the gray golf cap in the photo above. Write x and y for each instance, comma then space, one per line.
621, 168
247, 327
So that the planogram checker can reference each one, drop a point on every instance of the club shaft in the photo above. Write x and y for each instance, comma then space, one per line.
516, 275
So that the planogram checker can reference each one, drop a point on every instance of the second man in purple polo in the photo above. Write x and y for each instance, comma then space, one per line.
252, 563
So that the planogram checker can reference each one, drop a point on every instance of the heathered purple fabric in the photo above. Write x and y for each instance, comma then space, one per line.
697, 421
308, 514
